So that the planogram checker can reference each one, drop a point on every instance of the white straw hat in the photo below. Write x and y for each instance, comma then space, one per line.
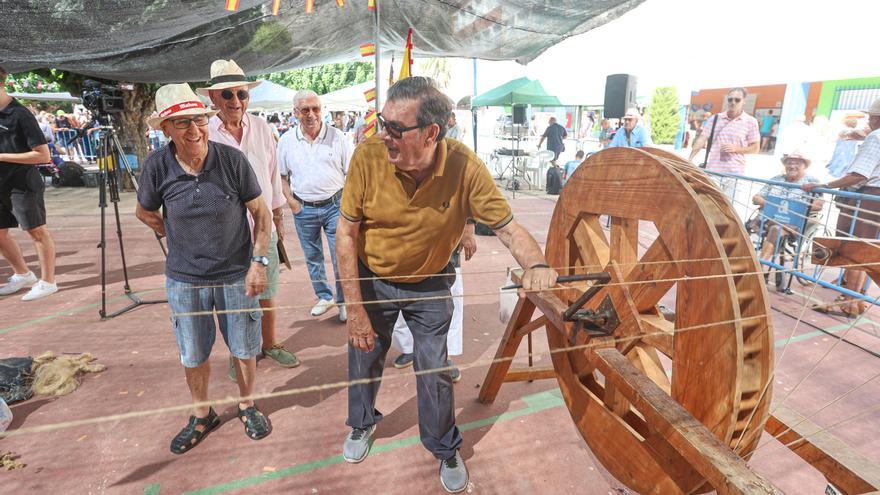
632, 113
174, 100
226, 74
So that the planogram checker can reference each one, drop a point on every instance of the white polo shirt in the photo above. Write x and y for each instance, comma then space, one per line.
316, 168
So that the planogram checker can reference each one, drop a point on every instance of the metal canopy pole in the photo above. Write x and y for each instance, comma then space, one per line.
377, 55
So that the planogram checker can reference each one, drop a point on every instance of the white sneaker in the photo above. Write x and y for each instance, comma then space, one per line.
343, 314
18, 282
39, 290
322, 307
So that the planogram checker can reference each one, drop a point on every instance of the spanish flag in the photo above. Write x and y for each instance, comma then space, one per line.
276, 6
406, 67
371, 4
370, 121
310, 6
370, 94
340, 3
232, 5
368, 49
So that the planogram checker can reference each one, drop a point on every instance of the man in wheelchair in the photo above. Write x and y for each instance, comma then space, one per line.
785, 209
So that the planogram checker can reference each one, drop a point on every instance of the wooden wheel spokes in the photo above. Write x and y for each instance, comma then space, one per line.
710, 361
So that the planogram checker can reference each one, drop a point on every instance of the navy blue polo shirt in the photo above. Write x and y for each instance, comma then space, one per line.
209, 238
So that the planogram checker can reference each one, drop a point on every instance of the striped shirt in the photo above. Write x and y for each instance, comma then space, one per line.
741, 131
867, 160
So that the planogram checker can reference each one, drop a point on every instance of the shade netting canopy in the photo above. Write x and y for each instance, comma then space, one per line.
522, 91
176, 40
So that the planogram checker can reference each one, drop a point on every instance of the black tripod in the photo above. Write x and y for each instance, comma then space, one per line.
109, 155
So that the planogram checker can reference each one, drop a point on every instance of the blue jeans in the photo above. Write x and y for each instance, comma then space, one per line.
309, 222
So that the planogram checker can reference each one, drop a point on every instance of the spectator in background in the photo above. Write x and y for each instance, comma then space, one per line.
736, 134
633, 134
571, 165
604, 133
845, 150
454, 130
766, 125
864, 172
62, 121
554, 134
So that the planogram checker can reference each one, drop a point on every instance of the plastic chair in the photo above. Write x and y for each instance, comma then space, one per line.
538, 166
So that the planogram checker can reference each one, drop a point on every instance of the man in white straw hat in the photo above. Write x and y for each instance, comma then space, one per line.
206, 189
864, 172
254, 137
633, 134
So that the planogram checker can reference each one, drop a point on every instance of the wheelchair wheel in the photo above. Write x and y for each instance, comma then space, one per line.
805, 255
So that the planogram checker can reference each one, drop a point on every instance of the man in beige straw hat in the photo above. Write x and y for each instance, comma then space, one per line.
233, 126
206, 189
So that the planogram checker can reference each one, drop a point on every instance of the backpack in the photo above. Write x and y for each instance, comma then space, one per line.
554, 180
71, 175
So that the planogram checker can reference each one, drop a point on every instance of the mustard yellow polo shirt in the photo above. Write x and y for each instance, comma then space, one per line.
409, 230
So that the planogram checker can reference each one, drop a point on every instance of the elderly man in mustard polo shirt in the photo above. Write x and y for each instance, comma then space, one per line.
407, 196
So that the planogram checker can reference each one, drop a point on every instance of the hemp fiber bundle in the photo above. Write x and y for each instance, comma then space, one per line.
58, 375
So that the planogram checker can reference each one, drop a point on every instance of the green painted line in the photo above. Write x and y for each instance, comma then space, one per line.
152, 489
534, 403
52, 316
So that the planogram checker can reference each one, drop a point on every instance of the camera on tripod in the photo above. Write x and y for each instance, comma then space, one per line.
102, 99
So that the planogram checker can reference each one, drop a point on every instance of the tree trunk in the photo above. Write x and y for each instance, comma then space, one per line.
132, 123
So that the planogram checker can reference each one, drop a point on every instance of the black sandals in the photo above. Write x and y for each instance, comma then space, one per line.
189, 436
256, 424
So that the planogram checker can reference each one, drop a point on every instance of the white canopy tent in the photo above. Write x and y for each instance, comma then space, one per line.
350, 98
271, 97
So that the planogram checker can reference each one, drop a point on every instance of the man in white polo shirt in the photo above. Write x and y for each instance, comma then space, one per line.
233, 126
314, 157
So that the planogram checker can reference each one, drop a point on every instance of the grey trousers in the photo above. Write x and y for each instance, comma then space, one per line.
429, 322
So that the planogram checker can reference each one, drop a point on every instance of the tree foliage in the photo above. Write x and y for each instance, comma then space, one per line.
324, 78
664, 115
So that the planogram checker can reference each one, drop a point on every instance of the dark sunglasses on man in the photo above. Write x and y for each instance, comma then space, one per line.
394, 129
199, 120
734, 100
242, 94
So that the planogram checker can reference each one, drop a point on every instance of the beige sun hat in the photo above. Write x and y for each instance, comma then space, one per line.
226, 74
797, 154
875, 108
175, 100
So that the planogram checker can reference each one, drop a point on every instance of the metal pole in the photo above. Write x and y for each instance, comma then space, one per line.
377, 55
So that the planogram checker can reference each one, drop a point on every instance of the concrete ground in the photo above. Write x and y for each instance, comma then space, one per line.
523, 443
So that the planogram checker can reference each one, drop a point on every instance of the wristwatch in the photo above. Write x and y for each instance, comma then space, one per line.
261, 260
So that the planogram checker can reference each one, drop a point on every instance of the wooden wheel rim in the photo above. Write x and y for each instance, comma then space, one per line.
723, 359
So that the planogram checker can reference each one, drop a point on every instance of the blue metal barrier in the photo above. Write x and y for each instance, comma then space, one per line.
795, 270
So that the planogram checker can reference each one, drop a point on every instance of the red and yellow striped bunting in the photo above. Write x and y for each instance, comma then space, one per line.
310, 6
371, 4
340, 3
368, 49
370, 120
276, 6
232, 5
370, 94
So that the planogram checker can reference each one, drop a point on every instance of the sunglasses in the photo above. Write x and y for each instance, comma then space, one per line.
734, 100
199, 120
394, 129
306, 110
241, 93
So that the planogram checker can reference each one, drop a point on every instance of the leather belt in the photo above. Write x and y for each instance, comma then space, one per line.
323, 202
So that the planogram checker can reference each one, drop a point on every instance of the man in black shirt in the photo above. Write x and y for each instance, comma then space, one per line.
22, 148
554, 135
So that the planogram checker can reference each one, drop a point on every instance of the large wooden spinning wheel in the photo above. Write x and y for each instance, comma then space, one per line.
666, 407
719, 350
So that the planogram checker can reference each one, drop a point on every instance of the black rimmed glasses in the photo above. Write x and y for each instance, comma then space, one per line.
199, 120
242, 94
394, 129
